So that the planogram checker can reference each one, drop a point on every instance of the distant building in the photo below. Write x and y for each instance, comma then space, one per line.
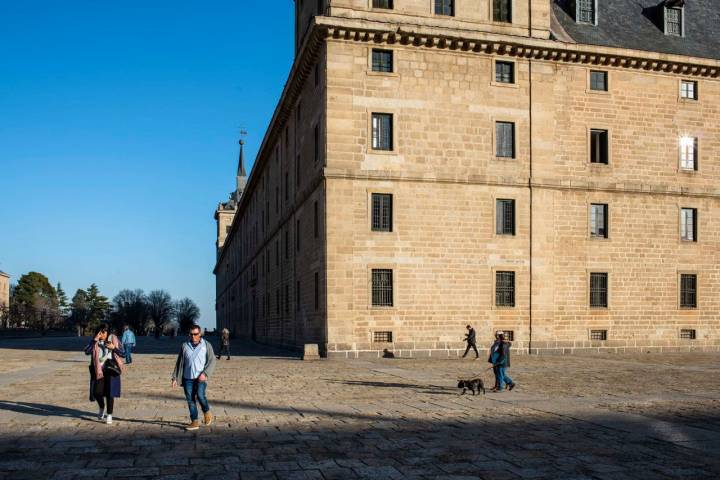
4, 289
544, 167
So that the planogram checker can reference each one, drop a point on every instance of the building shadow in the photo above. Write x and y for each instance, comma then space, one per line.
428, 389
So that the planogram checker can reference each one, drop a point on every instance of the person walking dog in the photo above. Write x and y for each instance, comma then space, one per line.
503, 363
194, 365
224, 344
106, 366
471, 340
494, 356
128, 342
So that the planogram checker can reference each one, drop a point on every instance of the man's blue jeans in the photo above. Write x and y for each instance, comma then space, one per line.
502, 377
195, 392
128, 352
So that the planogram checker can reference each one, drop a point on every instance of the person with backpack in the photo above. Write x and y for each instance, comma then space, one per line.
106, 367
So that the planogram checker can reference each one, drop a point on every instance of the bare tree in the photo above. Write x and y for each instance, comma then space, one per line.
131, 308
160, 309
186, 314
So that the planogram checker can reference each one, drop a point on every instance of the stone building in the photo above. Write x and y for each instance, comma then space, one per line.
4, 290
547, 168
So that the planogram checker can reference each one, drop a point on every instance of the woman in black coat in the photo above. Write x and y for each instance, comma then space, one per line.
106, 366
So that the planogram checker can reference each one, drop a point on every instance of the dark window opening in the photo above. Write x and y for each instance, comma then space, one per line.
445, 7
504, 72
382, 61
502, 11
599, 81
688, 224
688, 291
599, 146
505, 217
382, 337
599, 290
388, 4
505, 289
504, 139
382, 205
382, 288
382, 131
598, 335
599, 220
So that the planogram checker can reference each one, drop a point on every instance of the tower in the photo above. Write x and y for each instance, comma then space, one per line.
225, 212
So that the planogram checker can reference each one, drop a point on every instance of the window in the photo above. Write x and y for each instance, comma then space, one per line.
382, 204
673, 21
382, 131
599, 220
509, 335
504, 72
688, 334
445, 7
599, 146
598, 335
382, 61
598, 81
315, 219
382, 337
505, 289
585, 11
688, 89
689, 153
688, 224
505, 217
505, 139
688, 291
388, 4
599, 290
502, 11
382, 288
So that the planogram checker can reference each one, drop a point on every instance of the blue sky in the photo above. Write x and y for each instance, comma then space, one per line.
119, 124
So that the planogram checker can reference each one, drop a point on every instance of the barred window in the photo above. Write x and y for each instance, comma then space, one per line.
599, 290
505, 217
382, 337
382, 60
382, 205
509, 335
598, 81
504, 72
382, 131
502, 11
689, 153
688, 290
599, 146
688, 224
688, 89
673, 21
688, 334
505, 289
599, 220
445, 7
586, 11
598, 335
382, 288
383, 4
505, 139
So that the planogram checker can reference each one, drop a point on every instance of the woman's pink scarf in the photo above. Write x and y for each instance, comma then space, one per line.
96, 357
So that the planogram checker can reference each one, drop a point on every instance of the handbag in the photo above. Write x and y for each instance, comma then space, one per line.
111, 368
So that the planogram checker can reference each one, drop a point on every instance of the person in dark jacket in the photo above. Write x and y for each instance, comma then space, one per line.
471, 340
494, 356
503, 363
105, 386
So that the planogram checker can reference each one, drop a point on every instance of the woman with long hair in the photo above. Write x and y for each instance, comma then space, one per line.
106, 366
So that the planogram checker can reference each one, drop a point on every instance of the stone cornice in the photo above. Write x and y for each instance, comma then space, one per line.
520, 47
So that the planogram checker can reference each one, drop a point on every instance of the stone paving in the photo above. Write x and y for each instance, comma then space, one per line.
651, 416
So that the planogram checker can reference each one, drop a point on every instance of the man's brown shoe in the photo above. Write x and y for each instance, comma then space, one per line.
209, 418
195, 425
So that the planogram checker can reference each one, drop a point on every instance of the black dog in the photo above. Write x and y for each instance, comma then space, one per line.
474, 385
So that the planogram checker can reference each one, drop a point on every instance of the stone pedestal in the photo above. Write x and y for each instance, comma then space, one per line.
311, 352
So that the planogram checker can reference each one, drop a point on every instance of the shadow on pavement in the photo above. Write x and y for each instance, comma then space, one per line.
429, 389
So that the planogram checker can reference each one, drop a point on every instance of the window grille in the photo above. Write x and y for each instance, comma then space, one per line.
505, 217
382, 337
502, 11
382, 204
383, 4
688, 334
505, 72
598, 81
599, 220
586, 11
688, 224
599, 146
688, 153
599, 290
445, 7
382, 131
505, 139
598, 335
688, 291
382, 288
505, 289
509, 335
673, 21
382, 60
688, 89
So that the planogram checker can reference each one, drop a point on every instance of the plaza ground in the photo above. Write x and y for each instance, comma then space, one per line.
639, 416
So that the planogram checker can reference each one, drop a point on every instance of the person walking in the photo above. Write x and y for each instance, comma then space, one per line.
224, 344
128, 343
503, 363
494, 357
106, 366
471, 340
194, 365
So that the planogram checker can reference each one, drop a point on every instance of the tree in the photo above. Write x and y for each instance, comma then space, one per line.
80, 311
186, 314
131, 308
62, 301
98, 306
160, 309
35, 302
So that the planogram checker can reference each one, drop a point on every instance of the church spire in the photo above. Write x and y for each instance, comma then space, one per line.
241, 179
241, 161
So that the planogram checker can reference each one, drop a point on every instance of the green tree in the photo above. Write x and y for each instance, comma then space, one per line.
160, 309
186, 314
35, 302
98, 306
80, 311
62, 301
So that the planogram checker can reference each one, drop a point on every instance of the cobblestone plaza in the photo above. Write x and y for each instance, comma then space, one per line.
649, 416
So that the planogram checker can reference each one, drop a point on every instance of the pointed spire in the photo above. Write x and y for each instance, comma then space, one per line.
241, 161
